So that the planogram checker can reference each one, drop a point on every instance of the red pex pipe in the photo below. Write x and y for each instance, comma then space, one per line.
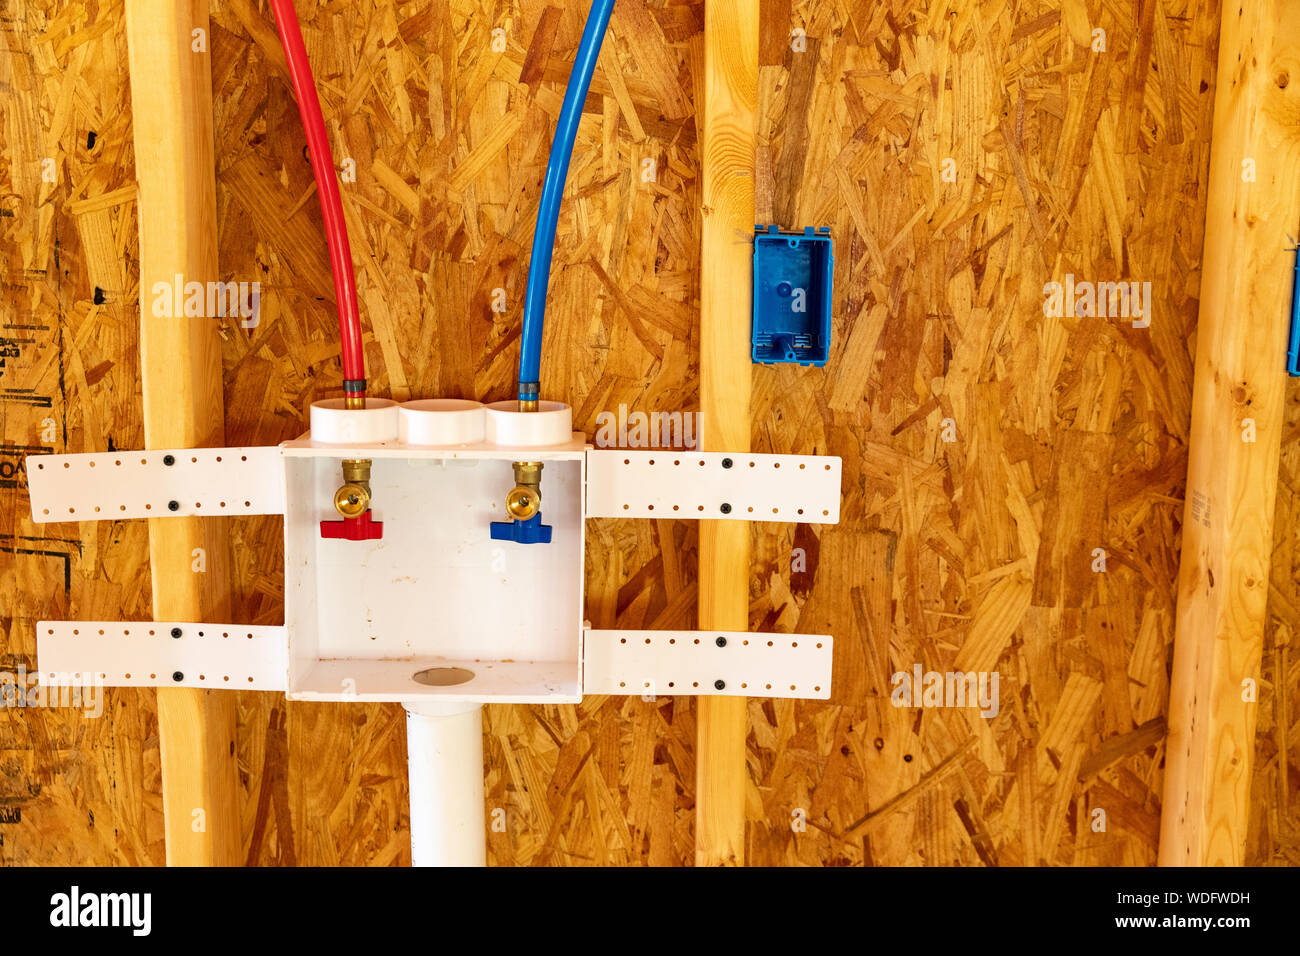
331, 206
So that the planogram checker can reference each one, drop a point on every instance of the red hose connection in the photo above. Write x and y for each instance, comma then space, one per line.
331, 206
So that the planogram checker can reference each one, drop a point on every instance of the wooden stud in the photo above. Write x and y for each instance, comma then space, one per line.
171, 99
1236, 430
728, 150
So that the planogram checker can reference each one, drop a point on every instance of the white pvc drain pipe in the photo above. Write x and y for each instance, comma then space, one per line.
444, 745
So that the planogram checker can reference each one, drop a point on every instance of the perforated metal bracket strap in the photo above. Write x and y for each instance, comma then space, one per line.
161, 654
733, 663
724, 485
156, 484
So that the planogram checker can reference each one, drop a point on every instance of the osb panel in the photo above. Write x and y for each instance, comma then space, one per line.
1067, 434
1274, 833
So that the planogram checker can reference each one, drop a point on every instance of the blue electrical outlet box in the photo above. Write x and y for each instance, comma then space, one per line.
1293, 341
792, 296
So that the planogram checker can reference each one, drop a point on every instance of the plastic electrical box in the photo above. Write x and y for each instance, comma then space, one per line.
793, 272
1293, 340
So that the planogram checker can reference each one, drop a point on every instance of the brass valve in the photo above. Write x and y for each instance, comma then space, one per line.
525, 498
353, 498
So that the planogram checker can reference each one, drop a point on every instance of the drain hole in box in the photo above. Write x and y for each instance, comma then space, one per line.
442, 676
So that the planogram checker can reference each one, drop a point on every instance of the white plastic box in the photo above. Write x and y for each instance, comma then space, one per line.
437, 596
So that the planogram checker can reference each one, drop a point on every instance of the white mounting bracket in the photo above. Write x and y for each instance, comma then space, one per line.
439, 606
156, 484
721, 485
707, 663
161, 654
235, 656
182, 482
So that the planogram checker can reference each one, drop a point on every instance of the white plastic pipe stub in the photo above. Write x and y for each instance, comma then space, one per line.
444, 749
334, 423
441, 421
507, 426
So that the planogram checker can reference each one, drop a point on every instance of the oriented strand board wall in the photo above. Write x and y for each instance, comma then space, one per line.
1274, 834
989, 449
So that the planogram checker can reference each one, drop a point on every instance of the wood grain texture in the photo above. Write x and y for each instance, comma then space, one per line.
181, 385
1067, 161
1236, 431
727, 154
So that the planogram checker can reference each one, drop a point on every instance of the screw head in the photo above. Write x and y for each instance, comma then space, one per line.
721, 642
725, 508
169, 460
177, 676
176, 632
719, 684
173, 506
726, 463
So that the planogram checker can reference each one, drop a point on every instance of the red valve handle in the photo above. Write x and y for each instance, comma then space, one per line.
360, 528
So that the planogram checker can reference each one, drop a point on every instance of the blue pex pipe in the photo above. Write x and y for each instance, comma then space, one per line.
548, 212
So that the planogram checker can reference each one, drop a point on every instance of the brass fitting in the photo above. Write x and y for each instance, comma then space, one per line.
353, 498
525, 498
357, 470
528, 404
351, 400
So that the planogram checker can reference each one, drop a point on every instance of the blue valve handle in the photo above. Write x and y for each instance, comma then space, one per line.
531, 531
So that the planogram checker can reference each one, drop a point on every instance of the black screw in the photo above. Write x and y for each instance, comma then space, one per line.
725, 508
169, 460
719, 684
726, 463
721, 642
176, 632
177, 676
173, 506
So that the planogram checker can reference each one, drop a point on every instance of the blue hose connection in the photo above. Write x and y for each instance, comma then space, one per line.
548, 212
